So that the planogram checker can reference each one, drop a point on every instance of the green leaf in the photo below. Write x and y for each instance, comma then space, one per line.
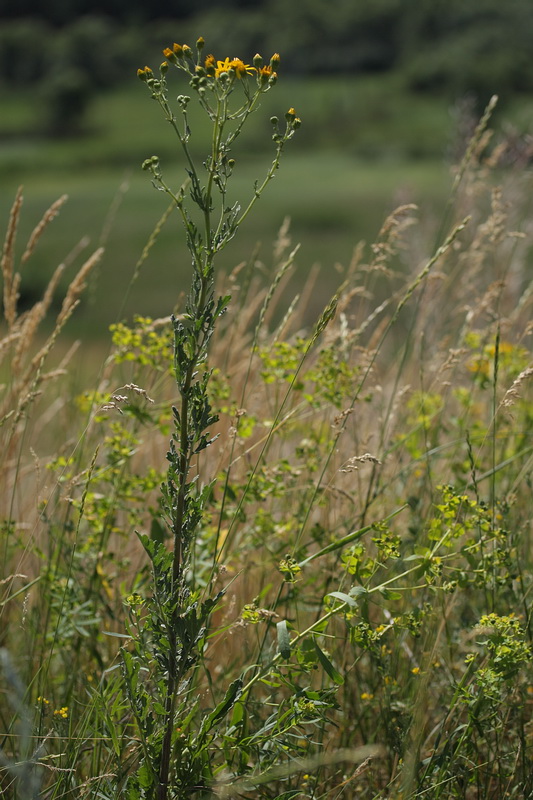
328, 667
144, 776
344, 598
231, 696
389, 594
284, 642
238, 713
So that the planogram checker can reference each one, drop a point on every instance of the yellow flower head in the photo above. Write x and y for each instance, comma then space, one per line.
266, 73
241, 69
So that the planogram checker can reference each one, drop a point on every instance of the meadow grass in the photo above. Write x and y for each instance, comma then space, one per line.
330, 212
349, 614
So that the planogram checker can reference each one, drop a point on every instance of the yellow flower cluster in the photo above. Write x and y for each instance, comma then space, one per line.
58, 712
239, 67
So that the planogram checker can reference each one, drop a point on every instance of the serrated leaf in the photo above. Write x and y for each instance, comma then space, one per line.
144, 776
232, 695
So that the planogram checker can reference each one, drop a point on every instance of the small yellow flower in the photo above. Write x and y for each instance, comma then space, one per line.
415, 670
265, 73
240, 68
367, 696
62, 712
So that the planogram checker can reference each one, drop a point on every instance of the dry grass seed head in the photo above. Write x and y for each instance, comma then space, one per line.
11, 280
77, 286
513, 393
37, 232
30, 321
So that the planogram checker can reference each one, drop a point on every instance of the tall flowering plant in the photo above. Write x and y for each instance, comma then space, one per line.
169, 629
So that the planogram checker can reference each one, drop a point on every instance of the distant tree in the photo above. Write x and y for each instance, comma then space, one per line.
482, 47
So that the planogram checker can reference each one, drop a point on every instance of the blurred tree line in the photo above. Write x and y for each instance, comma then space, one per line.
70, 49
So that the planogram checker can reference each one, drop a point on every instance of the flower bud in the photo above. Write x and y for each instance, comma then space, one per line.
177, 49
153, 161
274, 120
210, 65
163, 68
264, 74
170, 55
274, 61
141, 74
200, 43
290, 115
257, 61
187, 52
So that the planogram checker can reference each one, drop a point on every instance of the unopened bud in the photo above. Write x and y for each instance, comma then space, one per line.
163, 68
187, 52
200, 43
153, 161
274, 61
257, 61
170, 55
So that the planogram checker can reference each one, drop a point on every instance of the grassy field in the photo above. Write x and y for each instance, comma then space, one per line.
360, 153
279, 550
336, 186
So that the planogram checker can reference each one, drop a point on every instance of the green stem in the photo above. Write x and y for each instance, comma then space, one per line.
183, 470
